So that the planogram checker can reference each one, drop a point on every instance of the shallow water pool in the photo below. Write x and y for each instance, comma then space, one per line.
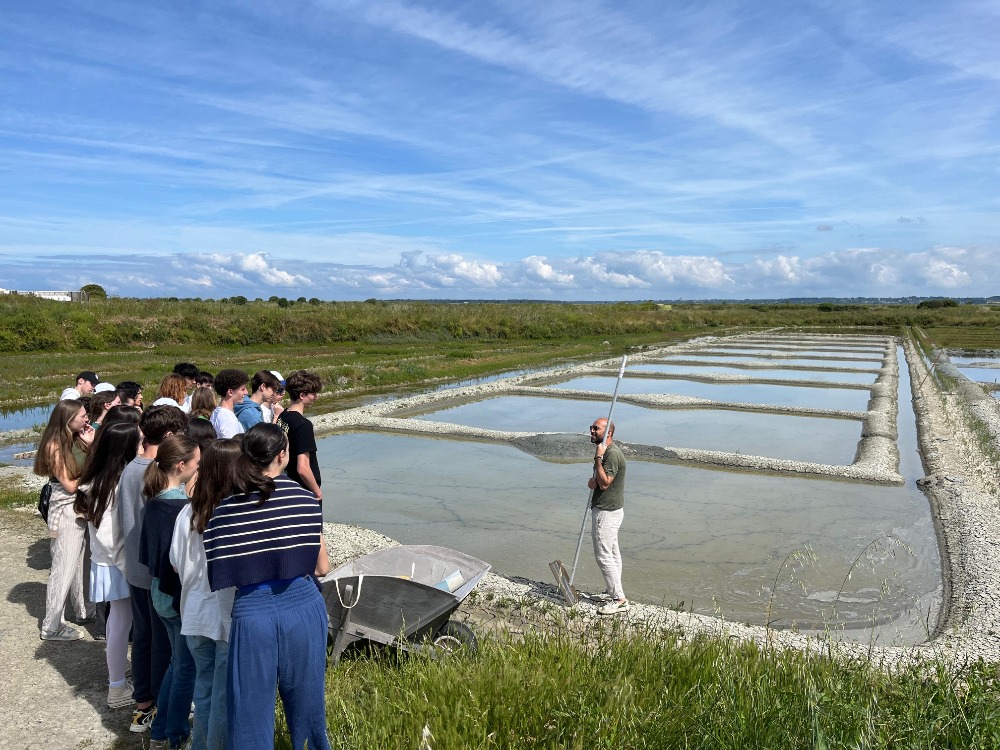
773, 374
721, 542
830, 441
843, 399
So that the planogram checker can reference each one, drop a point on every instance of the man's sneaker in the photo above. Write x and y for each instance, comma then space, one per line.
613, 608
65, 633
141, 719
119, 697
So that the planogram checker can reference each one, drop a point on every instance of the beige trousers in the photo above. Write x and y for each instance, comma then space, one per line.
604, 529
66, 573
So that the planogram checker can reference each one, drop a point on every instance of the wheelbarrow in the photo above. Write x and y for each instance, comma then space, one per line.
402, 597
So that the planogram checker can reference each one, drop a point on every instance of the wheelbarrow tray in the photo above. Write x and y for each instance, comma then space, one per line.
391, 596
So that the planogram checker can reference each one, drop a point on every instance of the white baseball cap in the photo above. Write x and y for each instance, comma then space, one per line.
101, 387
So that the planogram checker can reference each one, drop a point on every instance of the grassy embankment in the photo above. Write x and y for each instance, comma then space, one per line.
659, 691
358, 347
610, 691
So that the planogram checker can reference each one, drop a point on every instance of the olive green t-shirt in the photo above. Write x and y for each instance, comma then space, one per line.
613, 498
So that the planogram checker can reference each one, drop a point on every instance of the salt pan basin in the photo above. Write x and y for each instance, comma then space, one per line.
819, 440
841, 399
751, 548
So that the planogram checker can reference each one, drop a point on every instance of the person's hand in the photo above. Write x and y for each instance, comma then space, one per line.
87, 433
592, 483
601, 449
276, 411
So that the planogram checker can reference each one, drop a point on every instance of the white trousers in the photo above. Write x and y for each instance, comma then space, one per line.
66, 573
604, 529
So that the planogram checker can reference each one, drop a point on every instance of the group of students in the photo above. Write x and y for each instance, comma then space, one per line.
205, 550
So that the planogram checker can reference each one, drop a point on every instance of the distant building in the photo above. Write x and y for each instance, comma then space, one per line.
79, 296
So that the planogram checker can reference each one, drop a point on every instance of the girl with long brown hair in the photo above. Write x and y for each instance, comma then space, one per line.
206, 615
175, 464
116, 444
203, 403
61, 454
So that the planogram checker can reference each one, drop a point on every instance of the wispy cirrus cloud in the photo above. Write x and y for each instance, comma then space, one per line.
503, 149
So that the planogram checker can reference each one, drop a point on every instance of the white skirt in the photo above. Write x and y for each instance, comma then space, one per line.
107, 584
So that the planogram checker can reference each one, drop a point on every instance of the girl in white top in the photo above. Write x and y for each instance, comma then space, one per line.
115, 446
206, 615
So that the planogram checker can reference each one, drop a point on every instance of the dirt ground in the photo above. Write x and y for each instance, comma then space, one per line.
54, 694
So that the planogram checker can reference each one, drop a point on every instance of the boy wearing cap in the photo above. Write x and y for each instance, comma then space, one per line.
86, 381
272, 408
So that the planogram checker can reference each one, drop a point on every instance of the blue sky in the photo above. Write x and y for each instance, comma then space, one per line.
493, 150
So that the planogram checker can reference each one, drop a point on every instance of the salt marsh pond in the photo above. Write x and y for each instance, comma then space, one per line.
737, 501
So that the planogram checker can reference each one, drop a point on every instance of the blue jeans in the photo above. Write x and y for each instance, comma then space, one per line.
173, 704
278, 639
210, 660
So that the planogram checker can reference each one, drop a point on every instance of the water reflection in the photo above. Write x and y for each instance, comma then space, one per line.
981, 374
842, 399
25, 419
829, 441
8, 452
773, 374
714, 539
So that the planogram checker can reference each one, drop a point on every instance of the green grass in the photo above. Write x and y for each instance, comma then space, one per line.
966, 337
14, 496
603, 690
377, 346
346, 368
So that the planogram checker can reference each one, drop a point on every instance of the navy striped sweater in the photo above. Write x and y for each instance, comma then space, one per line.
247, 543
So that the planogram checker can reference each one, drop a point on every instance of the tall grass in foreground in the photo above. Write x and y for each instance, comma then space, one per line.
656, 691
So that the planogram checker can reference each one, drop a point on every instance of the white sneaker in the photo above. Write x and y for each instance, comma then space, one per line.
65, 633
614, 607
120, 697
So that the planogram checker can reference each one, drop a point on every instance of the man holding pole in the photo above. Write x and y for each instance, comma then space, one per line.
607, 512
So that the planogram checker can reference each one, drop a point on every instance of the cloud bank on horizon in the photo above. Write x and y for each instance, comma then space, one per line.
564, 150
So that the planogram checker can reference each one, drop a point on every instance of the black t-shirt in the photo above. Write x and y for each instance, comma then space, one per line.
301, 439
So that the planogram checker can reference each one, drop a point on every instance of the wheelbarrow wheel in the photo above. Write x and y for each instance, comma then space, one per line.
455, 636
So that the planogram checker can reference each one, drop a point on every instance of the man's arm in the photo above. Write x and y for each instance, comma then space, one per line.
305, 473
603, 478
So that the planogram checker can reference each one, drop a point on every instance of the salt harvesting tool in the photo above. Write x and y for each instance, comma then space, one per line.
564, 580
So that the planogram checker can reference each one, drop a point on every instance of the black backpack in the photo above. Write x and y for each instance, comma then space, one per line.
43, 501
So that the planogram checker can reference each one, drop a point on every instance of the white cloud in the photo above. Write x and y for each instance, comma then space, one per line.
628, 274
536, 268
